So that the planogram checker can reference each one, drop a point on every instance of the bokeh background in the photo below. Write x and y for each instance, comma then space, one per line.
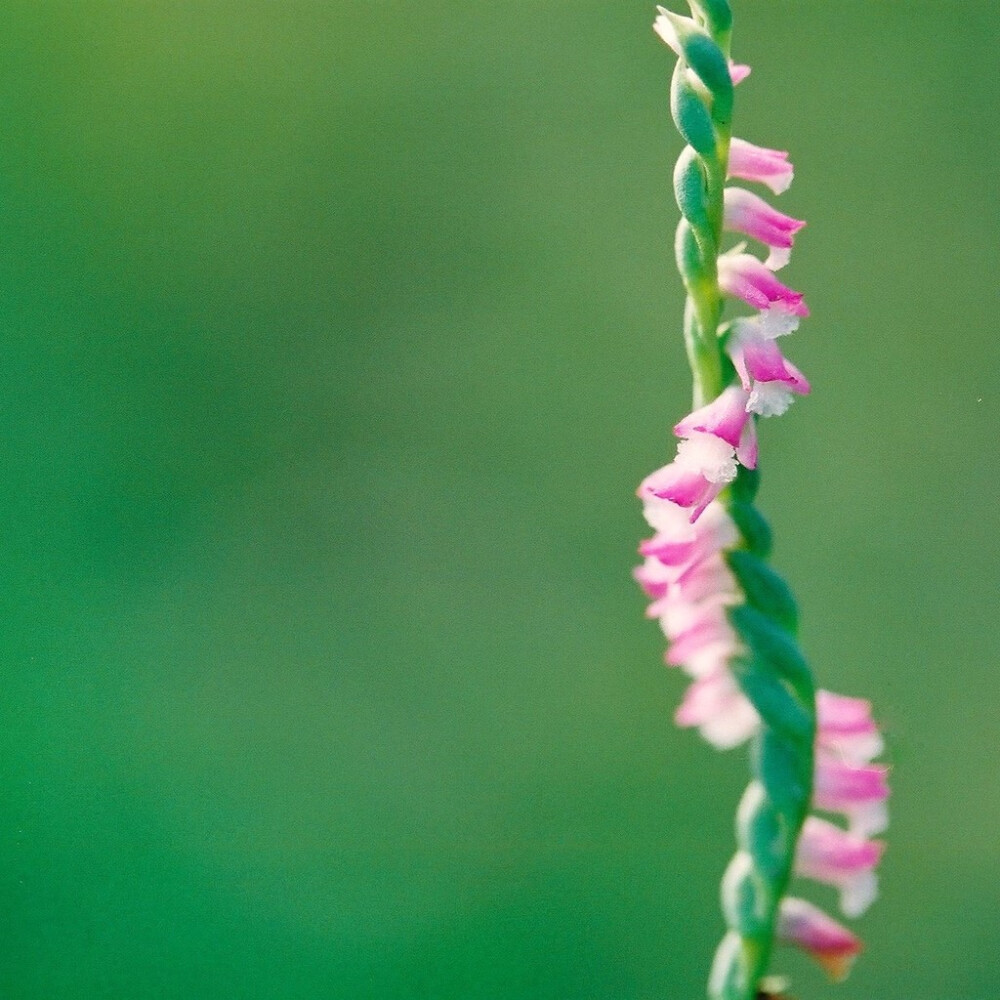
335, 337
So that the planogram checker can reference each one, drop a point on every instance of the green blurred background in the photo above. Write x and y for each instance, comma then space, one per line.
335, 338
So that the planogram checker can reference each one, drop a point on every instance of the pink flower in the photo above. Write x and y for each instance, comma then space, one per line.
847, 740
846, 727
738, 71
692, 586
720, 710
831, 855
714, 532
701, 638
727, 418
748, 214
654, 577
690, 601
709, 580
755, 163
703, 466
742, 275
833, 946
859, 791
762, 368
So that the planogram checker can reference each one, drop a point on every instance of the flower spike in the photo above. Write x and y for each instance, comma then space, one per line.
729, 620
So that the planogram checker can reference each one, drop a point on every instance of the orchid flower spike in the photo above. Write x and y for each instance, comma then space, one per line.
730, 622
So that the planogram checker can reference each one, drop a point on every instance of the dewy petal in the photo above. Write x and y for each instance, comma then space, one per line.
746, 213
763, 370
829, 854
768, 364
744, 276
758, 360
725, 417
756, 163
763, 360
807, 926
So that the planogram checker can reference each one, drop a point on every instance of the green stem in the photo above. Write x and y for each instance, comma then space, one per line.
703, 310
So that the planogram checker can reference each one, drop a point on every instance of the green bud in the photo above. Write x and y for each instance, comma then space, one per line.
707, 60
690, 115
689, 189
715, 14
688, 254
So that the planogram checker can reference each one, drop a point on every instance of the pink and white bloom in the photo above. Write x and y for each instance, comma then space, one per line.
715, 532
745, 277
859, 791
770, 378
716, 705
746, 213
847, 740
748, 162
692, 588
703, 466
836, 857
728, 418
701, 638
845, 727
833, 946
